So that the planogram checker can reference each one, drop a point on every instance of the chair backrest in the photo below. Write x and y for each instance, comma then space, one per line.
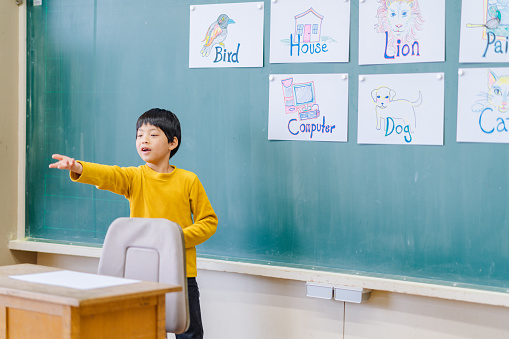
150, 250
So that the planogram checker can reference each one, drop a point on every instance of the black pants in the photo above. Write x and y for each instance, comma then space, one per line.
195, 330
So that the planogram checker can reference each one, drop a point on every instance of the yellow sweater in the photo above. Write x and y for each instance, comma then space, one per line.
177, 196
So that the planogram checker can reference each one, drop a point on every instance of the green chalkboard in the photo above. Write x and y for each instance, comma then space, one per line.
420, 212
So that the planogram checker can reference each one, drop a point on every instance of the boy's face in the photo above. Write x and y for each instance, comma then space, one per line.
153, 146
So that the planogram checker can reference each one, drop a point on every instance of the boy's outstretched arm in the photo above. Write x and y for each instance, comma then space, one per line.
64, 162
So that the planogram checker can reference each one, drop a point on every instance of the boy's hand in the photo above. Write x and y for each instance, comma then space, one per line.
67, 163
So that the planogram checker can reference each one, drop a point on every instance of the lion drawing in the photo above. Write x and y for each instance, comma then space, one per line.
401, 19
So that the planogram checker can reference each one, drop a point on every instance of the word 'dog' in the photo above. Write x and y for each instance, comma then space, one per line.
391, 127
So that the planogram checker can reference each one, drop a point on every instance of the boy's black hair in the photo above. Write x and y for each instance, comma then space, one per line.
165, 120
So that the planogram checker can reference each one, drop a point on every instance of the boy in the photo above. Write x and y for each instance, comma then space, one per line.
158, 190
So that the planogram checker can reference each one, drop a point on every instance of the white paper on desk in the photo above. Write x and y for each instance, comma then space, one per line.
71, 279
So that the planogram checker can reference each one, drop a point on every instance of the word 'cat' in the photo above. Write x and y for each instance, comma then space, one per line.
488, 124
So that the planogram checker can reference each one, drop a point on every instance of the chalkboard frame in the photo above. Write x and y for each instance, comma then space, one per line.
454, 255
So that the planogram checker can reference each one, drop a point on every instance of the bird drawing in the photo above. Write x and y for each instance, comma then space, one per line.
492, 23
217, 32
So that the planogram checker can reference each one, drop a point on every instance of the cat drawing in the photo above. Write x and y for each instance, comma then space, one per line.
497, 95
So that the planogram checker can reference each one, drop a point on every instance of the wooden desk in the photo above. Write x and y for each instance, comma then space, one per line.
31, 310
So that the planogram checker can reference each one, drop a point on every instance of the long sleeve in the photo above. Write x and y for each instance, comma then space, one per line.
205, 220
104, 177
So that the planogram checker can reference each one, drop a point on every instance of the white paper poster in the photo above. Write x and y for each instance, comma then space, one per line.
401, 31
404, 109
309, 31
226, 35
483, 108
312, 107
484, 31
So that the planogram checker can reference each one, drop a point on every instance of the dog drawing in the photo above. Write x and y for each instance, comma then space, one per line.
386, 107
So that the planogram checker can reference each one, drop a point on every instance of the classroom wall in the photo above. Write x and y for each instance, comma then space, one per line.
9, 56
252, 307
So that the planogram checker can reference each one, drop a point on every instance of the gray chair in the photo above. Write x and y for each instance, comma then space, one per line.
150, 250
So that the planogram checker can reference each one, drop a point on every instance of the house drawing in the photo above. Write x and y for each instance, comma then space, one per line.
308, 26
